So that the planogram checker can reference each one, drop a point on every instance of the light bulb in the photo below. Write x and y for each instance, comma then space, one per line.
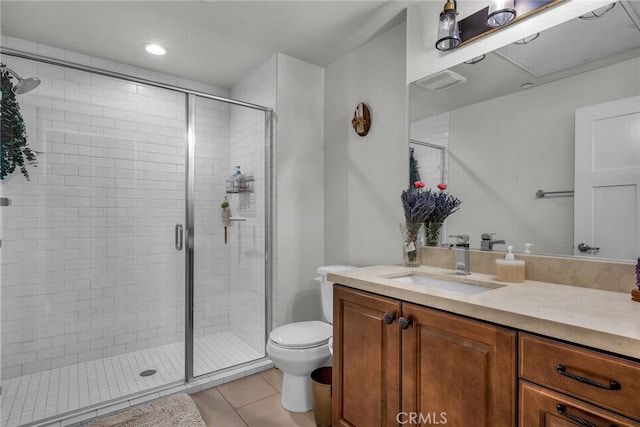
155, 49
501, 12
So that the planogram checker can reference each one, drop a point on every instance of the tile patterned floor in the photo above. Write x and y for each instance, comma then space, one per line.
253, 401
30, 398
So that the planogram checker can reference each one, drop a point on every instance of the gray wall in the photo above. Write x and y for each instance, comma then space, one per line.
364, 176
300, 206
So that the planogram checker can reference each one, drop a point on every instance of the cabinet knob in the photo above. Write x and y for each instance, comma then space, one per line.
404, 322
389, 318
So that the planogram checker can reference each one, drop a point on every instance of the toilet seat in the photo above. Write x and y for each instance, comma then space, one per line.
301, 335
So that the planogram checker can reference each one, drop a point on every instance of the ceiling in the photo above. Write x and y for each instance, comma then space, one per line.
573, 47
217, 42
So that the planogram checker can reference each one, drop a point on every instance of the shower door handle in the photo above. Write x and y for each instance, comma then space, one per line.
583, 247
179, 235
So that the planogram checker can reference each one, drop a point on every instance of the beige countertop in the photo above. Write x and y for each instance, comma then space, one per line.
596, 318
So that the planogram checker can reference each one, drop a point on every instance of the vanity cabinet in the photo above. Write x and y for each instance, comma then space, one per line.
366, 359
398, 363
457, 368
566, 385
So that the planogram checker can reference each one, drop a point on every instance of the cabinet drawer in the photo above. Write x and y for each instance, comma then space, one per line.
610, 382
542, 407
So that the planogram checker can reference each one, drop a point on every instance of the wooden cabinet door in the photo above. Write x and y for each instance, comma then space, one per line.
366, 359
457, 371
541, 407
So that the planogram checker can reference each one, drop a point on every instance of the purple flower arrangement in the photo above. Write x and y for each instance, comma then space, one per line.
446, 204
418, 205
426, 206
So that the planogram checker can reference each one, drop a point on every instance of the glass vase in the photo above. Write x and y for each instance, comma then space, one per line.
412, 241
432, 233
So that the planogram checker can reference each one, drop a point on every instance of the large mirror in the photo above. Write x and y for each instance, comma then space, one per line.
512, 124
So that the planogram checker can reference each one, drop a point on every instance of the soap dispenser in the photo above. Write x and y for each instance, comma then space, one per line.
510, 269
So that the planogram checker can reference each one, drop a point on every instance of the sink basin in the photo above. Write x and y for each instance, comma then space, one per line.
430, 282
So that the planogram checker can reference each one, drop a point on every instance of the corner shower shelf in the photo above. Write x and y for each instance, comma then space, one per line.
243, 185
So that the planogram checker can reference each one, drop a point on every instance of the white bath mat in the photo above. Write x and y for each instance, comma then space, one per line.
175, 410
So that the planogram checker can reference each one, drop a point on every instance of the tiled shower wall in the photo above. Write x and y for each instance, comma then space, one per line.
247, 256
433, 130
211, 255
89, 265
90, 268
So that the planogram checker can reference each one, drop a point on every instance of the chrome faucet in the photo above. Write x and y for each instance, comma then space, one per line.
462, 254
462, 240
462, 260
487, 241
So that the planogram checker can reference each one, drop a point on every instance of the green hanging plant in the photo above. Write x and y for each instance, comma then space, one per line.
14, 150
414, 169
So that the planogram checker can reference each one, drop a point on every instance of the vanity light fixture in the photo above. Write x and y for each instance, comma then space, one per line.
597, 13
155, 49
501, 12
448, 32
498, 14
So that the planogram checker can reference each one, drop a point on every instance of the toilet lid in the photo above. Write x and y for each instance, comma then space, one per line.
302, 334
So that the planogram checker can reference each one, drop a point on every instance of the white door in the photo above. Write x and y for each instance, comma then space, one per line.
607, 180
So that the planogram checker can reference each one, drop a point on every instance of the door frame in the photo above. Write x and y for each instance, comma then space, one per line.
189, 229
586, 178
190, 96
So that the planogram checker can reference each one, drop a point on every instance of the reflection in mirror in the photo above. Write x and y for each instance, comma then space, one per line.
427, 163
510, 127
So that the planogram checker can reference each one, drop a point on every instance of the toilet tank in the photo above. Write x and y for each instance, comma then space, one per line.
326, 289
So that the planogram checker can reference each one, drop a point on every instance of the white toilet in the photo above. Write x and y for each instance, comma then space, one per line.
299, 348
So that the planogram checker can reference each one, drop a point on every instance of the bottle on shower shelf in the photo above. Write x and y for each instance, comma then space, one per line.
235, 178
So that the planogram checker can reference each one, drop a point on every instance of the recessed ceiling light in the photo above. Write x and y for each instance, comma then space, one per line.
527, 39
155, 49
598, 13
475, 60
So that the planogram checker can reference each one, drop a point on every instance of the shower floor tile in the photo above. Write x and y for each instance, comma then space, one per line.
30, 398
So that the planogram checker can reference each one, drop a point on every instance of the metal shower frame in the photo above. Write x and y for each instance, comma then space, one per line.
190, 98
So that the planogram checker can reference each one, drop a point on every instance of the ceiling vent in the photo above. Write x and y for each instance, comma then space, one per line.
440, 81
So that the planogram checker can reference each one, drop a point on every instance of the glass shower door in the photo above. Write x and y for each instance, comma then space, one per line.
92, 286
228, 235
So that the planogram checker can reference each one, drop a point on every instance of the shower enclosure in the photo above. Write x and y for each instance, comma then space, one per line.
120, 280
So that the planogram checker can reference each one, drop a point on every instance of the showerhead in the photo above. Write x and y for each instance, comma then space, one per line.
23, 85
